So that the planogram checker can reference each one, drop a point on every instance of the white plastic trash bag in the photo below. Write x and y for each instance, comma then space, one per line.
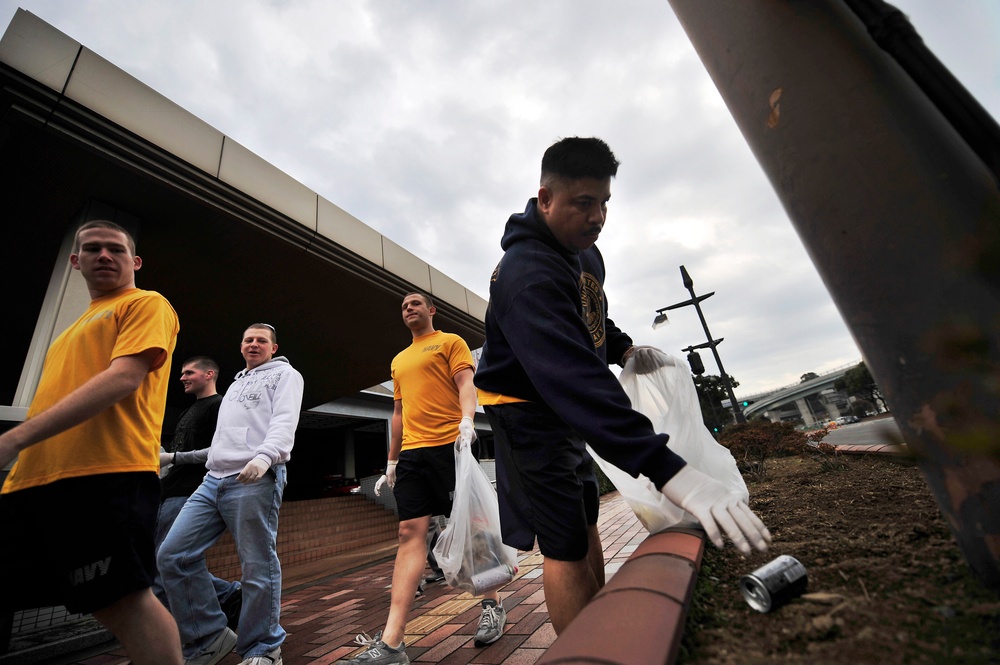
667, 397
470, 551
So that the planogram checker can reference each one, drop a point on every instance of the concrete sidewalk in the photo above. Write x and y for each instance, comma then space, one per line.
323, 616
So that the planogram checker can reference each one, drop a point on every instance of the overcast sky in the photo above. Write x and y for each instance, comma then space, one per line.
427, 121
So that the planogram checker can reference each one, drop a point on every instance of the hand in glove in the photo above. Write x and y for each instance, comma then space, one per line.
166, 459
379, 483
390, 473
648, 359
466, 433
253, 471
717, 508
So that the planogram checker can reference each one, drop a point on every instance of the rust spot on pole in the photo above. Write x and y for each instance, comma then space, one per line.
772, 120
925, 420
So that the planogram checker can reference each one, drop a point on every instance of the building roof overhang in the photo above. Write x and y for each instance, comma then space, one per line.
226, 237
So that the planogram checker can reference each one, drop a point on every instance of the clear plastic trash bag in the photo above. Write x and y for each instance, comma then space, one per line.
470, 550
667, 397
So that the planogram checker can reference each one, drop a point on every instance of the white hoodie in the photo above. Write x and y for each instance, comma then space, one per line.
257, 418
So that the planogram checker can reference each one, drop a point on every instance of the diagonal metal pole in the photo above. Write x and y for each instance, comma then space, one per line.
863, 142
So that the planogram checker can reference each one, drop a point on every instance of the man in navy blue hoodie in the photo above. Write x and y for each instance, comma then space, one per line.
545, 385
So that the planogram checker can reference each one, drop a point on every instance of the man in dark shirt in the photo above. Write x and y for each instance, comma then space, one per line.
544, 383
184, 467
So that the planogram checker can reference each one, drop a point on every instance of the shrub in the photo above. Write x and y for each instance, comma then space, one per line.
816, 436
753, 442
603, 484
827, 457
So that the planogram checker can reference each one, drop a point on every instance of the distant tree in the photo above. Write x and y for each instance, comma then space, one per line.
859, 382
809, 376
711, 392
862, 407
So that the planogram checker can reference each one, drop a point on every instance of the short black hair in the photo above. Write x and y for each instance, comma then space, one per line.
204, 363
574, 158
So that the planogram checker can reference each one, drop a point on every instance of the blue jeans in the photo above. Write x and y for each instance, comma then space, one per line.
169, 509
250, 512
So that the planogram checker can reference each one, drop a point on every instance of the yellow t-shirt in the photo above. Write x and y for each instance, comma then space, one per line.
423, 378
124, 437
486, 398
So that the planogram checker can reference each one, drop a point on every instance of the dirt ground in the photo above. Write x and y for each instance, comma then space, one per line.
887, 583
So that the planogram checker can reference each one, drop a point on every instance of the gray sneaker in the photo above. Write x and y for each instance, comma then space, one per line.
220, 647
378, 653
491, 623
270, 658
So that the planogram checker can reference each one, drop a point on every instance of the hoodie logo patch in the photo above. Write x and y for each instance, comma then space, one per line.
592, 301
251, 389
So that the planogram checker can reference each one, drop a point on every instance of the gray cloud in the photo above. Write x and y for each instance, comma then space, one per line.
427, 121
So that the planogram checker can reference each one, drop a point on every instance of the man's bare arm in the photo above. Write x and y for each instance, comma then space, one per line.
122, 377
467, 398
396, 439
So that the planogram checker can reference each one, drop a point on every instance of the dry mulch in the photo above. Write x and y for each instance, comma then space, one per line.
887, 582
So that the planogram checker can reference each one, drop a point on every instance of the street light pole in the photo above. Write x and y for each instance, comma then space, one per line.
712, 342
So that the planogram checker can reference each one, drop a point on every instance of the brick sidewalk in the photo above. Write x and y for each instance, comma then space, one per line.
323, 617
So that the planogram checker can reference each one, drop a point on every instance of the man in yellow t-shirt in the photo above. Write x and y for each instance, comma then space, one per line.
434, 406
81, 500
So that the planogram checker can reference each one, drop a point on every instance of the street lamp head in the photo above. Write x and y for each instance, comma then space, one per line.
686, 278
660, 320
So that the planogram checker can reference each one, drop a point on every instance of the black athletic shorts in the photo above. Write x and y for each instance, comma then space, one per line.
425, 482
81, 542
546, 483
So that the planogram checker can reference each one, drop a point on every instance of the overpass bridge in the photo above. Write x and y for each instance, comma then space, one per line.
812, 401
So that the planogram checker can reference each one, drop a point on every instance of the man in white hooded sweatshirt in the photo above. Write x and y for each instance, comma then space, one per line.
242, 492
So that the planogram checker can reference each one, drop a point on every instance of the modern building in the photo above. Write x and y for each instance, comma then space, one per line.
228, 238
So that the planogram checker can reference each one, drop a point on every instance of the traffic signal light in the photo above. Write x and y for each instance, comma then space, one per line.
697, 367
745, 403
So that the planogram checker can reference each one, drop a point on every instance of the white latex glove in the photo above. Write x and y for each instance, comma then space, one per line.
717, 508
379, 483
253, 471
166, 459
466, 433
648, 359
390, 473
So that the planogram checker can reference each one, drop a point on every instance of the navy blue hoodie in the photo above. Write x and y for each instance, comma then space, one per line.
549, 340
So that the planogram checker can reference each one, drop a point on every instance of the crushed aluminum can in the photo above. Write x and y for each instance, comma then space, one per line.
774, 584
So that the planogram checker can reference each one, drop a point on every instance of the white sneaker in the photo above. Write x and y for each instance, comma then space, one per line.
220, 647
272, 658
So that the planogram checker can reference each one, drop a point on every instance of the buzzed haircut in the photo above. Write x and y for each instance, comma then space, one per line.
426, 298
265, 326
574, 158
204, 363
103, 224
